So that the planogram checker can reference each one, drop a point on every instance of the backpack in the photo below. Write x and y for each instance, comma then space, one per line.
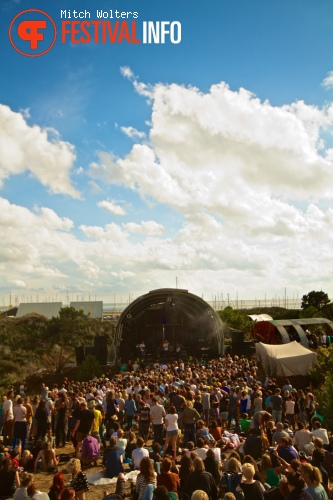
230, 481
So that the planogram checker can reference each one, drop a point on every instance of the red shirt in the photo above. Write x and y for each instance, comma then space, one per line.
170, 480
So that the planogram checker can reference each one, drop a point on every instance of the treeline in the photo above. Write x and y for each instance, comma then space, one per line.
33, 344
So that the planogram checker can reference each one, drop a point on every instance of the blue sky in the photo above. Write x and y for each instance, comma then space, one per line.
125, 166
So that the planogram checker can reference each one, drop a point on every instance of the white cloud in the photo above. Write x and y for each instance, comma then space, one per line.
25, 112
127, 72
248, 178
247, 188
50, 219
19, 283
110, 206
228, 153
328, 80
24, 147
146, 227
133, 132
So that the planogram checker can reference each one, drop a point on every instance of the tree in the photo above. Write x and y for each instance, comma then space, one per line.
89, 368
315, 299
70, 329
311, 312
325, 400
323, 366
236, 319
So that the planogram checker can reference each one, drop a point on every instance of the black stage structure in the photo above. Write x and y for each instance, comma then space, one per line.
188, 323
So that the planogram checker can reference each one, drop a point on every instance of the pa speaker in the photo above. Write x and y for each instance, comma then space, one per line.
101, 349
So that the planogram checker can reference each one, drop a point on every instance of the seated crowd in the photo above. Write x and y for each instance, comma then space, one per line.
186, 430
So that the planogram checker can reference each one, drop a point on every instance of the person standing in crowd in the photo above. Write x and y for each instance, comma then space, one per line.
41, 417
189, 418
276, 405
233, 408
130, 410
171, 425
8, 419
205, 396
61, 422
144, 421
157, 414
20, 424
83, 425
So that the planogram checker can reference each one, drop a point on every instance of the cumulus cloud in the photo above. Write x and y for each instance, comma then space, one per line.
227, 153
246, 187
247, 177
39, 151
146, 227
110, 206
133, 133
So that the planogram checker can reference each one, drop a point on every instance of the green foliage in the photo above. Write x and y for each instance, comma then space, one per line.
236, 319
89, 368
315, 299
323, 366
325, 400
71, 314
33, 342
311, 312
70, 329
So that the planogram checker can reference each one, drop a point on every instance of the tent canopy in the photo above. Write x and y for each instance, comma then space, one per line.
285, 360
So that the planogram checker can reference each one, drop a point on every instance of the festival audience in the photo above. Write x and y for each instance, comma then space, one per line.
217, 406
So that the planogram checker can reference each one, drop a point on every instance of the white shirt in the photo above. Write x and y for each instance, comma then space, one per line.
157, 412
40, 495
137, 456
19, 413
8, 405
21, 494
321, 433
217, 453
172, 421
201, 452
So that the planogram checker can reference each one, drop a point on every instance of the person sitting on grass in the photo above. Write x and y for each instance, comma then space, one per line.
49, 461
112, 459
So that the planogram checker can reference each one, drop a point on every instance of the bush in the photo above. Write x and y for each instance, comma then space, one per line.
323, 366
325, 400
89, 369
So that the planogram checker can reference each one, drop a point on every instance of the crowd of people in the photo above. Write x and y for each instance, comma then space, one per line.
187, 429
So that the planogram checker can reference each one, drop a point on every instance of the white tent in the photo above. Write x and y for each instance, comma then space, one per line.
285, 360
